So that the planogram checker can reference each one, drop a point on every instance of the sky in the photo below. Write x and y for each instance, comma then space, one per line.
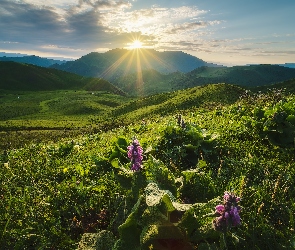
228, 32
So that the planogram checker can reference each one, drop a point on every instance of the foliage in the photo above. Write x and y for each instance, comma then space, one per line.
277, 123
182, 147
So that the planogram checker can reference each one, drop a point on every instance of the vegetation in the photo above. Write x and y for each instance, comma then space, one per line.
197, 144
247, 76
32, 78
34, 116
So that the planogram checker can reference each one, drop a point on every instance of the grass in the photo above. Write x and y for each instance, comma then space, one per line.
49, 115
53, 189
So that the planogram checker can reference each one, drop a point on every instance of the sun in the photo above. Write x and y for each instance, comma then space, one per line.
136, 44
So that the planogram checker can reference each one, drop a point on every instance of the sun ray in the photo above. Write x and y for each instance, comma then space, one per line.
139, 79
168, 66
114, 66
131, 59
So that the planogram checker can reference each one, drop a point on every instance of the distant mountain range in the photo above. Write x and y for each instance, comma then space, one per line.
118, 62
136, 72
26, 77
35, 60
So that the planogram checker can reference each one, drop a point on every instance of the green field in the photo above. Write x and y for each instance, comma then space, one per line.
65, 170
53, 113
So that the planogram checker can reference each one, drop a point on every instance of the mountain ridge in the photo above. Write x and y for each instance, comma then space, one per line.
153, 82
117, 62
35, 60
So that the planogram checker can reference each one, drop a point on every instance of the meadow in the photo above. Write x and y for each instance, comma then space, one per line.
66, 172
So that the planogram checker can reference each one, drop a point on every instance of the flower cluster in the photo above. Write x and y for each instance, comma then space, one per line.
228, 213
135, 154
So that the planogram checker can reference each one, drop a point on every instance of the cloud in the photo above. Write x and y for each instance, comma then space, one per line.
26, 23
90, 25
184, 27
98, 5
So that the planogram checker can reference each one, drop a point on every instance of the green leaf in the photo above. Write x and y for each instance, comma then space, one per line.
115, 163
122, 142
291, 119
114, 154
168, 204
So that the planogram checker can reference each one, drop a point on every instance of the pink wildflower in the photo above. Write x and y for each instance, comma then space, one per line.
228, 213
135, 154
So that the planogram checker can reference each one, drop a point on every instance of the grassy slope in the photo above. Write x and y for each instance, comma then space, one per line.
47, 187
82, 111
209, 96
55, 109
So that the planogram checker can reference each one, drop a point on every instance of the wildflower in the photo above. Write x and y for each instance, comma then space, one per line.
135, 154
228, 213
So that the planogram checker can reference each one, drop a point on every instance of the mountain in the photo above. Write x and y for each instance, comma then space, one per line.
35, 60
248, 76
118, 62
31, 78
151, 81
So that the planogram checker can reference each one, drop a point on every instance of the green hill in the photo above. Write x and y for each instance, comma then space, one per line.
147, 82
288, 86
26, 77
208, 96
248, 76
152, 82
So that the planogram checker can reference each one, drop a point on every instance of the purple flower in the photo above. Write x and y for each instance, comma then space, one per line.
228, 213
226, 196
219, 209
234, 213
135, 155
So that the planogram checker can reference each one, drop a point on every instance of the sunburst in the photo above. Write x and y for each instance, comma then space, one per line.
136, 44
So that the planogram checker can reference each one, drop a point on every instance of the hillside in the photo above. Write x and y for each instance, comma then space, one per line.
287, 86
27, 77
247, 76
147, 82
152, 82
117, 62
216, 171
35, 60
209, 97
80, 109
